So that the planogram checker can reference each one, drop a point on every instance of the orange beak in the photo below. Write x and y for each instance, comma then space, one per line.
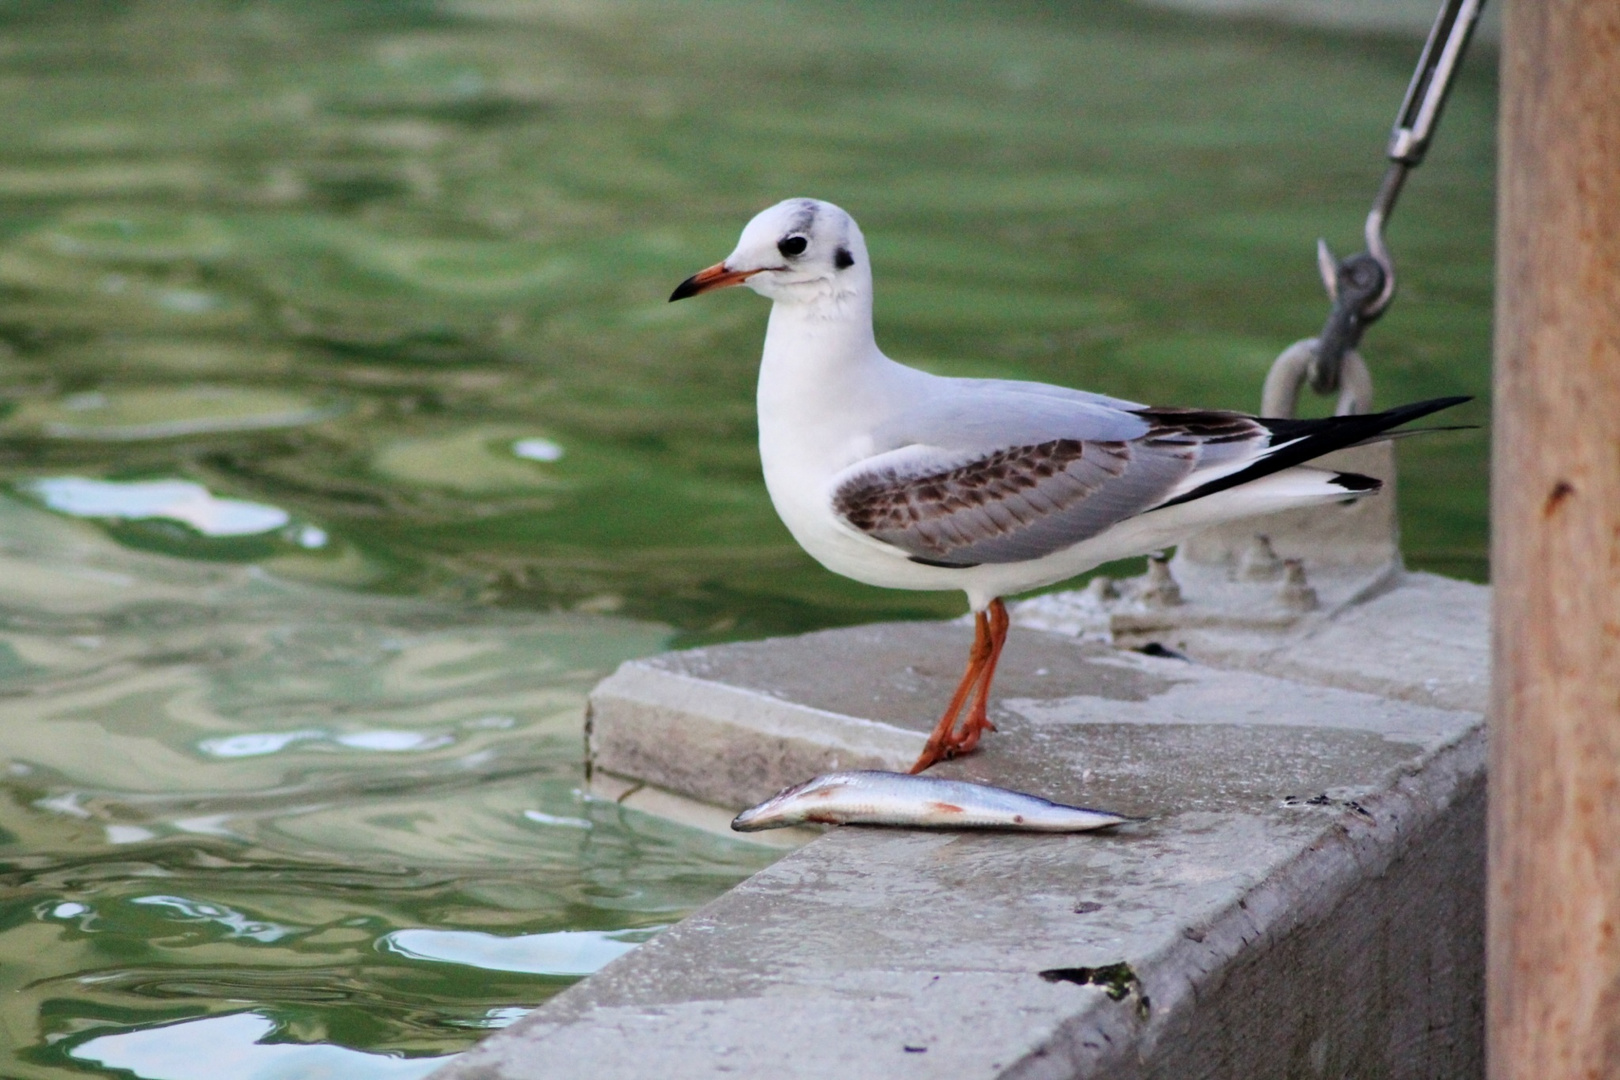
715, 277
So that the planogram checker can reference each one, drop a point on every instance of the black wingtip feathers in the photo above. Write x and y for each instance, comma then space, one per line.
1356, 482
1299, 441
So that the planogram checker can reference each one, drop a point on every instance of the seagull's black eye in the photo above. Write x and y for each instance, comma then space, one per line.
792, 245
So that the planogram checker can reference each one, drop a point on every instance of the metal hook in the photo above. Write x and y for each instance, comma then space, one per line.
1414, 126
1357, 283
1362, 286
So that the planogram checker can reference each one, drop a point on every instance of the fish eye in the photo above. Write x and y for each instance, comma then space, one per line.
792, 245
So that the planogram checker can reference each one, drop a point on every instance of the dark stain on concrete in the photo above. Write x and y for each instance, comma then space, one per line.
1117, 980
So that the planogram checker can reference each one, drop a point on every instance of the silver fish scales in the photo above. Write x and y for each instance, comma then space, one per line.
871, 797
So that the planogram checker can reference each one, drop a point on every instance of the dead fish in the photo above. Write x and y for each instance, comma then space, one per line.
870, 797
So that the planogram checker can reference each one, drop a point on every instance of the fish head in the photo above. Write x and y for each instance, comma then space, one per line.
790, 806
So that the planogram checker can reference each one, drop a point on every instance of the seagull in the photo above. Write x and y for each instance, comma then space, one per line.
903, 479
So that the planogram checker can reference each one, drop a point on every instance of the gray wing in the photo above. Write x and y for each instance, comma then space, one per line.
984, 415
1023, 498
1047, 390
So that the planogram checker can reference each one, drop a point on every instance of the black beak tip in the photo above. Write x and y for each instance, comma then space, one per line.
687, 288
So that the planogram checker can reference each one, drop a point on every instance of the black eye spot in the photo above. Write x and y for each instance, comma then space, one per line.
792, 245
843, 259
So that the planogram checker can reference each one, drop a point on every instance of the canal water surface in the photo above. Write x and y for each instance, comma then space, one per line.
346, 437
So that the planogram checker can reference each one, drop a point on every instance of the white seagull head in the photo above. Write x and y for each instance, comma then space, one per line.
798, 251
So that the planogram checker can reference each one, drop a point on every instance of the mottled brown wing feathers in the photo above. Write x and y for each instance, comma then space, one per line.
1025, 502
1011, 504
883, 502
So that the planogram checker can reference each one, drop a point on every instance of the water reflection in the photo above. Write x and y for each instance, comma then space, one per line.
136, 415
232, 1046
175, 500
361, 815
563, 952
537, 450
239, 925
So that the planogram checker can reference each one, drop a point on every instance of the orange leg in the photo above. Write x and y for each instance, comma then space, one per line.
978, 721
988, 635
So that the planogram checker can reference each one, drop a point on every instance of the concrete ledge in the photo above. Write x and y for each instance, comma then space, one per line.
1306, 900
722, 743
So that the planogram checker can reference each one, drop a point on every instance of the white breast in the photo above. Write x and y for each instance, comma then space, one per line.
823, 389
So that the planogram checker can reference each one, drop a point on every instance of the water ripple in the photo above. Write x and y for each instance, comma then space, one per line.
561, 952
232, 1046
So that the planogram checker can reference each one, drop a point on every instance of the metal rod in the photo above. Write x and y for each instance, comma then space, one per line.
1431, 82
1414, 127
1383, 205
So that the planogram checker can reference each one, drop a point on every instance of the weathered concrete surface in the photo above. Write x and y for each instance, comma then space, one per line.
1425, 639
1306, 899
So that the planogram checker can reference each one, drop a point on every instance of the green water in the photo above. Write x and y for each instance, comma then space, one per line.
384, 283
